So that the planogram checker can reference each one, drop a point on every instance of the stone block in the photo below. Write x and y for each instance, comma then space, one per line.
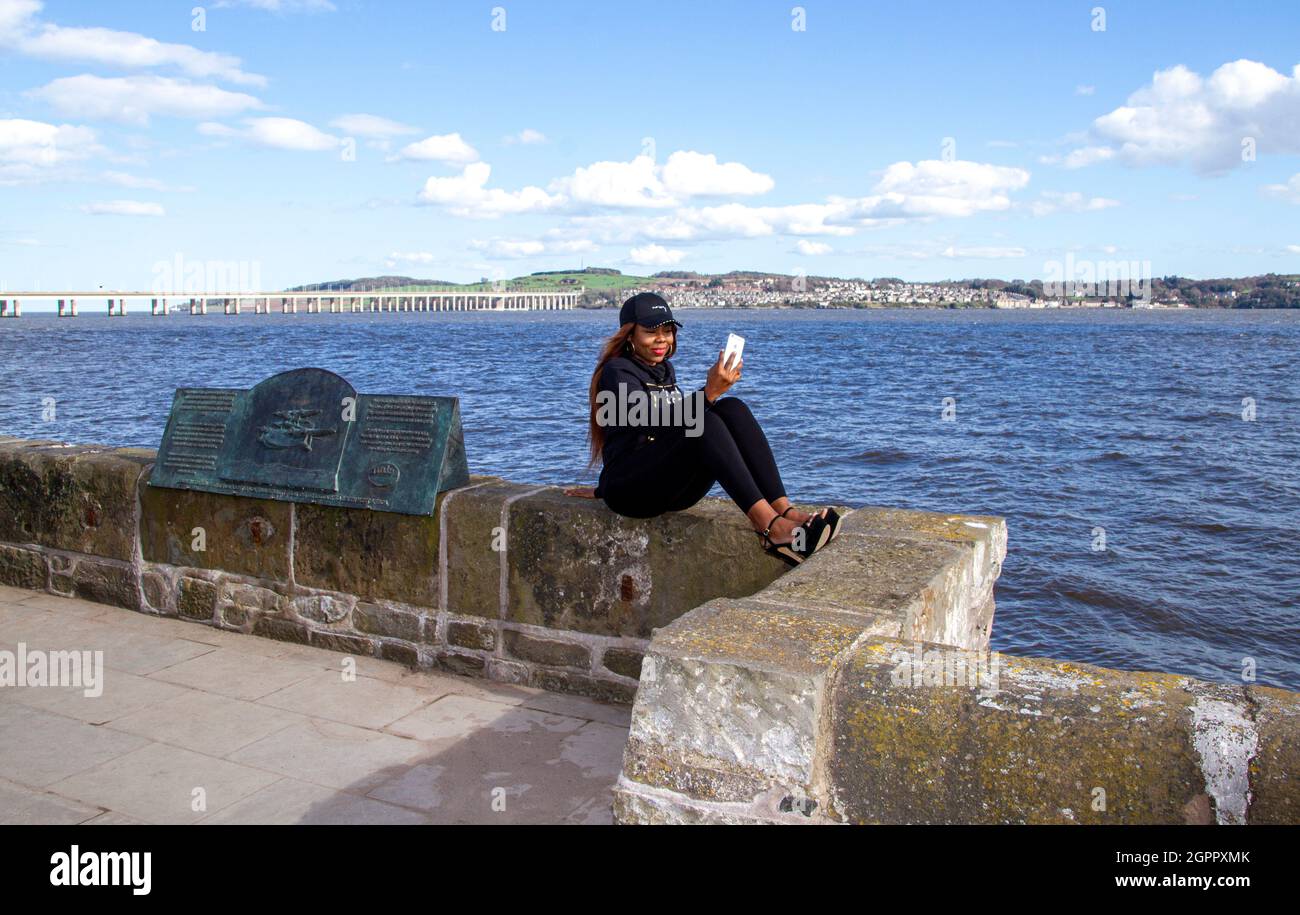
322, 608
574, 564
284, 630
580, 684
729, 699
926, 588
196, 598
1050, 743
475, 537
239, 535
989, 531
471, 635
551, 652
159, 589
1275, 765
374, 555
623, 661
387, 621
342, 641
76, 498
104, 582
401, 652
468, 665
20, 568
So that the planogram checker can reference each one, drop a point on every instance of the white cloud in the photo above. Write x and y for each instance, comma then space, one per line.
1084, 90
32, 152
1181, 117
692, 174
439, 148
1293, 249
133, 99
276, 133
641, 183
369, 125
36, 143
22, 32
466, 194
655, 256
506, 248
812, 248
124, 208
1289, 192
926, 190
1049, 202
525, 137
616, 184
935, 187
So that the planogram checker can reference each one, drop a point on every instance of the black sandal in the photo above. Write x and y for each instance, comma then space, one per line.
832, 519
815, 537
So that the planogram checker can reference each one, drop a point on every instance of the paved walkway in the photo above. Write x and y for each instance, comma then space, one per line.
196, 725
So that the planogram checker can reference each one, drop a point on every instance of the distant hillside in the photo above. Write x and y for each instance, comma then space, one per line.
369, 284
605, 285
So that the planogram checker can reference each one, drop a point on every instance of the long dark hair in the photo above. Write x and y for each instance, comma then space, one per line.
618, 345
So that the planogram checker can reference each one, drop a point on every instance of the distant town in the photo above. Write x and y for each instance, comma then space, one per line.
604, 287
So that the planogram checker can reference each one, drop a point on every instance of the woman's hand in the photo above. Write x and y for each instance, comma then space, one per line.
722, 377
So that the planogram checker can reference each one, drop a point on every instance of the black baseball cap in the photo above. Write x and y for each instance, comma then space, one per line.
647, 309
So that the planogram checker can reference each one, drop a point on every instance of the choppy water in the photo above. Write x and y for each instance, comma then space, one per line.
1065, 422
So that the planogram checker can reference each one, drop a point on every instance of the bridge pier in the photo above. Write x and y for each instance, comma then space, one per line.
153, 308
121, 309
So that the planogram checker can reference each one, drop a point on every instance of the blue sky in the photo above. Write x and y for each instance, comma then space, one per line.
321, 140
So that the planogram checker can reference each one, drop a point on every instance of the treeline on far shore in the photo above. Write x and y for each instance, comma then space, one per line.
1272, 290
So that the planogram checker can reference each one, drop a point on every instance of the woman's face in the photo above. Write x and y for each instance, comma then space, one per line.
654, 344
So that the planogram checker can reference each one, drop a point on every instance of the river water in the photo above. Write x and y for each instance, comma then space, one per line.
1077, 426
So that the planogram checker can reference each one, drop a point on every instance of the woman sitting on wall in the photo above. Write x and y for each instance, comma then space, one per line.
653, 465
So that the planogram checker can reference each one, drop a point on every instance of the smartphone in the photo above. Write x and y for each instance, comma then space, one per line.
735, 344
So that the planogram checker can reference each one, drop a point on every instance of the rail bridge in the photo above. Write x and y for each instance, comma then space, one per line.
312, 302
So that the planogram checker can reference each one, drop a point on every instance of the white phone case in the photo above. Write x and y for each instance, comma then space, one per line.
735, 344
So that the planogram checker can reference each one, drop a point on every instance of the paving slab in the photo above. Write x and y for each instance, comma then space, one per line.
23, 806
206, 722
162, 784
363, 701
290, 801
120, 694
47, 747
273, 733
331, 754
230, 672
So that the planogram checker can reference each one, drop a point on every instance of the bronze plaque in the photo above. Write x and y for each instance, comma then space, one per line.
307, 436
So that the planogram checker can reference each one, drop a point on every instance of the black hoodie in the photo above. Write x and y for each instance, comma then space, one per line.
657, 379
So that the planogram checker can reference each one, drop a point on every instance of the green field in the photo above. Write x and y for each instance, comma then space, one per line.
596, 281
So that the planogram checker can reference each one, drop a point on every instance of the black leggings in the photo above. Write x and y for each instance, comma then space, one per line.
675, 471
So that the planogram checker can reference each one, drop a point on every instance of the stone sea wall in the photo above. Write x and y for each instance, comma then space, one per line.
516, 583
856, 688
